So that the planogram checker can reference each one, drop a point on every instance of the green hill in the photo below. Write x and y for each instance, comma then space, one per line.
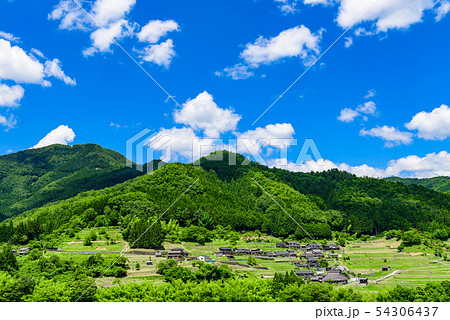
35, 177
235, 197
440, 184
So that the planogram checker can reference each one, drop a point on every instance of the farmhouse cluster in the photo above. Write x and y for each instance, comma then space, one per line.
309, 257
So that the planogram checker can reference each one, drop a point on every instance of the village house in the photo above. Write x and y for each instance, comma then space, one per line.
341, 269
334, 247
240, 250
281, 245
363, 281
335, 277
313, 263
271, 254
204, 258
313, 246
149, 263
256, 252
282, 253
308, 255
158, 254
226, 251
177, 254
293, 245
318, 253
23, 251
385, 268
304, 273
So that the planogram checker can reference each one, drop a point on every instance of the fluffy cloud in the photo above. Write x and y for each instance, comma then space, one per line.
108, 14
112, 25
71, 16
102, 39
295, 42
385, 14
10, 96
432, 165
8, 36
434, 125
348, 115
348, 42
54, 69
278, 136
287, 6
317, 2
236, 72
390, 135
156, 29
9, 123
370, 94
368, 107
18, 66
160, 54
207, 115
61, 135
442, 10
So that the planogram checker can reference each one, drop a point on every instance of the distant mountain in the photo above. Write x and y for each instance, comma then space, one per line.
35, 177
440, 184
243, 197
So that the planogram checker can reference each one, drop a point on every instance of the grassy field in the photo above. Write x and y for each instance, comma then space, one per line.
365, 259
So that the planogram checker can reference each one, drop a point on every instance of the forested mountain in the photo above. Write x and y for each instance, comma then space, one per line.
231, 196
35, 177
441, 184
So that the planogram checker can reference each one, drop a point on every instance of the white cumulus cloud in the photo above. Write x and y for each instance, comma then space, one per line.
392, 136
160, 54
237, 72
348, 115
431, 165
153, 31
61, 135
8, 36
208, 117
10, 96
9, 122
442, 10
434, 125
385, 14
295, 42
53, 68
18, 66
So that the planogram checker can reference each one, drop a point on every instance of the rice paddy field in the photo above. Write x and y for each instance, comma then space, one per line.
416, 266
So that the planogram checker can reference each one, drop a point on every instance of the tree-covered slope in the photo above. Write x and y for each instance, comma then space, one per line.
440, 184
35, 177
211, 194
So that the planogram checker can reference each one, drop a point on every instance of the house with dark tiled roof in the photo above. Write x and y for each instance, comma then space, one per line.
335, 277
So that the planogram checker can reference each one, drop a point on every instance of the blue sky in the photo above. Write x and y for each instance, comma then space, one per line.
375, 103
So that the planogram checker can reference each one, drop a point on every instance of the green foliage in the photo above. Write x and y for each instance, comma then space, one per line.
432, 292
8, 261
251, 261
441, 184
35, 177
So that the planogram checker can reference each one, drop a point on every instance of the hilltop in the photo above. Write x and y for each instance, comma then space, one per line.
35, 177
235, 197
440, 184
